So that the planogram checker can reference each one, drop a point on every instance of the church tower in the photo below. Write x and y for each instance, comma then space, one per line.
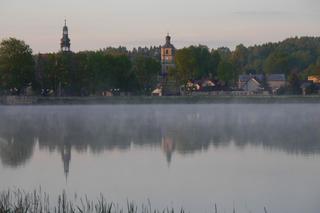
65, 41
169, 86
167, 57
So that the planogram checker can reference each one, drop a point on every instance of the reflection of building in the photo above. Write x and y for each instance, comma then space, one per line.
65, 41
168, 147
66, 158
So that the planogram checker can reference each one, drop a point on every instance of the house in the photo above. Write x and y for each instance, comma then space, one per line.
305, 87
207, 83
314, 78
243, 79
310, 88
157, 92
276, 81
253, 86
207, 86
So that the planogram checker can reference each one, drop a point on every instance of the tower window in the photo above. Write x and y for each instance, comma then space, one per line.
167, 52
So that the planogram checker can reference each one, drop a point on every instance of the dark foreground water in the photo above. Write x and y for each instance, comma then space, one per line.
243, 155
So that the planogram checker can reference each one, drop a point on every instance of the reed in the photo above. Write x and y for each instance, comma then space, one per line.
19, 201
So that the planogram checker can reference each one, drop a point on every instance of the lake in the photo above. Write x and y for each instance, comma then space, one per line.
246, 156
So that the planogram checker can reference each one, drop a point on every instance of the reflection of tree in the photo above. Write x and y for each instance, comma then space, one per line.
184, 129
16, 150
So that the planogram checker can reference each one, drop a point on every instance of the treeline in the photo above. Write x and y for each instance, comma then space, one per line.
77, 74
137, 71
297, 58
92, 73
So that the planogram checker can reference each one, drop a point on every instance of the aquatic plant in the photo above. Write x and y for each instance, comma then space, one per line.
19, 201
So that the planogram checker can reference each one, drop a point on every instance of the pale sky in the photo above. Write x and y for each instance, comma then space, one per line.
95, 24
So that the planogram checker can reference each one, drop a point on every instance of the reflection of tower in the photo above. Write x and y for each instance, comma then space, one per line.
66, 158
168, 147
65, 41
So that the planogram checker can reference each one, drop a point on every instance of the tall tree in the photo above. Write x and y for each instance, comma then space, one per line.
186, 65
226, 72
146, 70
16, 65
240, 59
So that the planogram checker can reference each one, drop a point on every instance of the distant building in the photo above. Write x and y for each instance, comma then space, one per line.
65, 40
243, 79
276, 81
168, 87
314, 78
157, 92
258, 83
167, 56
310, 87
253, 85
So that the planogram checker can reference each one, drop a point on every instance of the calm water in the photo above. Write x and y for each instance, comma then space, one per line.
247, 156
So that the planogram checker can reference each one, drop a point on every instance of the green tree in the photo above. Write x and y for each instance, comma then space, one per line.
186, 67
215, 60
16, 65
66, 74
277, 62
46, 71
240, 59
146, 70
196, 62
225, 53
294, 83
226, 72
121, 73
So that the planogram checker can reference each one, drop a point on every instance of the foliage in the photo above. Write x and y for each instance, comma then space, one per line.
196, 62
294, 83
39, 202
185, 65
94, 72
226, 72
293, 55
146, 70
16, 65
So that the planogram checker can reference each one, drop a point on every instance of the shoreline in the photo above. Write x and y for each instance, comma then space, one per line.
120, 100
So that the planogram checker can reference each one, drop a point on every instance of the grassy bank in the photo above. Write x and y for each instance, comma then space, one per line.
15, 100
38, 202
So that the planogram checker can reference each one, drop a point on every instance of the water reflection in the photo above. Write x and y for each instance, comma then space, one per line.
173, 128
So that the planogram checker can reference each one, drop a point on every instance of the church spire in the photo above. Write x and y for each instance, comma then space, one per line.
168, 39
65, 41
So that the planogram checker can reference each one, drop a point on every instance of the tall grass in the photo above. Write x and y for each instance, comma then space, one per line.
19, 201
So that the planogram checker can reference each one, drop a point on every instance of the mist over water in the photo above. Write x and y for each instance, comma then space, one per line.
252, 155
